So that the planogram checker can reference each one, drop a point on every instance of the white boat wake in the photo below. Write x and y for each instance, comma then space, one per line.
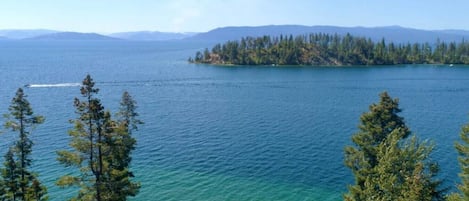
53, 85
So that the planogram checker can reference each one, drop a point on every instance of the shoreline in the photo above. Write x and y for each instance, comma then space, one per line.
328, 66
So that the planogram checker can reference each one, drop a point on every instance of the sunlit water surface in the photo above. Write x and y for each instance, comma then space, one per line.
228, 133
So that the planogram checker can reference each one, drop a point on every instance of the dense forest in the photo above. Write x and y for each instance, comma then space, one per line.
326, 49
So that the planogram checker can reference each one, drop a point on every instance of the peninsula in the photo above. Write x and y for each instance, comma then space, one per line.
331, 50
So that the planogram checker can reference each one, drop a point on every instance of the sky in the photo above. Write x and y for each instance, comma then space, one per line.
108, 16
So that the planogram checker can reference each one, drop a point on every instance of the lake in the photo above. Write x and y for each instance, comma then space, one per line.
228, 133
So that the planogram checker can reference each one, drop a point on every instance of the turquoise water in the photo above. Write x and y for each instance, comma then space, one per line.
228, 133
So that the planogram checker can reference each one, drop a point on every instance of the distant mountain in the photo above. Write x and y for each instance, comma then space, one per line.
454, 31
73, 36
151, 35
396, 34
26, 33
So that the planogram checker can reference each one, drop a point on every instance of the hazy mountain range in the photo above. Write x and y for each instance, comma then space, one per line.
390, 33
22, 34
151, 35
72, 36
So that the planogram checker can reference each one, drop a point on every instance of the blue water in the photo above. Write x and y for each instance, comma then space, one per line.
228, 133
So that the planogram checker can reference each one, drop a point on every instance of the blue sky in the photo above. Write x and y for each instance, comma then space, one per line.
106, 16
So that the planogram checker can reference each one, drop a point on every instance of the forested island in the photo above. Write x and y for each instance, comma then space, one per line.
331, 50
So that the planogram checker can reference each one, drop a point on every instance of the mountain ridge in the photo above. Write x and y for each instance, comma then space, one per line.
394, 33
18, 34
151, 35
72, 36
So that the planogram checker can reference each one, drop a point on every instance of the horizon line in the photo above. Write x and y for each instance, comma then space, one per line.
228, 26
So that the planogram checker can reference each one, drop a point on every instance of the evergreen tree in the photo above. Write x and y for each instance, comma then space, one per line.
375, 126
385, 165
102, 148
87, 137
121, 144
11, 177
21, 119
463, 151
127, 113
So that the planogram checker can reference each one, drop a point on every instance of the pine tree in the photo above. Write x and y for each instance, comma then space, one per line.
121, 144
124, 144
127, 117
385, 165
127, 112
21, 119
102, 148
87, 137
463, 151
375, 126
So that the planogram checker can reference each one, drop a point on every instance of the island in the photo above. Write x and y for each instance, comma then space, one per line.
330, 50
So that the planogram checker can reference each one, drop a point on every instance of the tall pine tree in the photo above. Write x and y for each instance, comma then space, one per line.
122, 143
385, 165
102, 148
19, 178
87, 137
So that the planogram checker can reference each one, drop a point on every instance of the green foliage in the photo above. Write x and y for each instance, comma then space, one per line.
37, 192
463, 150
123, 144
87, 142
403, 172
2, 189
325, 49
375, 126
127, 112
20, 183
102, 148
454, 197
11, 177
386, 166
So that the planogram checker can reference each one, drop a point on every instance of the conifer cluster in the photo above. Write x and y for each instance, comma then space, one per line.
102, 148
331, 50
